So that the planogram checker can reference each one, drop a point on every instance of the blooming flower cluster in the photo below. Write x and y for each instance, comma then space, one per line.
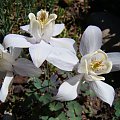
60, 52
93, 63
42, 44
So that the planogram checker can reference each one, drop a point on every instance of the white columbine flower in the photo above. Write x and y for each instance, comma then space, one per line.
10, 64
42, 44
94, 62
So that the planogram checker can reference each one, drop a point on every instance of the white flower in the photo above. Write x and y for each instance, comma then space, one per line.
94, 62
9, 64
42, 46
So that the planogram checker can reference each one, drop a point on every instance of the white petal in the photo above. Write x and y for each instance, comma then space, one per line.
15, 52
14, 40
58, 28
63, 43
25, 28
47, 31
51, 18
99, 54
25, 67
93, 77
82, 67
5, 66
8, 57
5, 86
63, 58
35, 30
39, 52
31, 16
108, 67
104, 91
91, 40
115, 58
1, 47
6, 61
69, 89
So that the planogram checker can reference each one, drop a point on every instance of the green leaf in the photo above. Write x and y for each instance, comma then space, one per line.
37, 83
89, 93
51, 118
117, 108
44, 118
46, 98
36, 95
74, 110
117, 113
77, 108
45, 83
71, 114
76, 118
62, 116
55, 106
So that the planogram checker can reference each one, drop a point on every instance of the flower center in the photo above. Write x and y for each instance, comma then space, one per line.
96, 65
43, 17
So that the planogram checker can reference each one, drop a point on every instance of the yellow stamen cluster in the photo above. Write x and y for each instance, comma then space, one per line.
96, 65
43, 18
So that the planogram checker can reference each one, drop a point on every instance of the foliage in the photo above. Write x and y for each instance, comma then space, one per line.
117, 108
39, 104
